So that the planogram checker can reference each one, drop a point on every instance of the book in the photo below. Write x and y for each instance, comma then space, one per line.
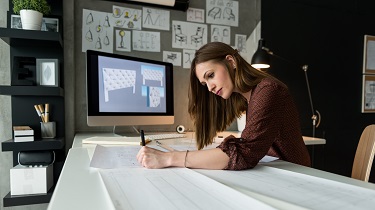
23, 133
114, 140
23, 138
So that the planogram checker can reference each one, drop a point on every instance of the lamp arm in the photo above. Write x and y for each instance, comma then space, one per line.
316, 117
305, 67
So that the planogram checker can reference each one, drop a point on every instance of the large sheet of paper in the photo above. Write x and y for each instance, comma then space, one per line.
125, 156
300, 189
173, 188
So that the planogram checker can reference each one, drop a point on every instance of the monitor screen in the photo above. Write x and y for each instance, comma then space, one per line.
126, 91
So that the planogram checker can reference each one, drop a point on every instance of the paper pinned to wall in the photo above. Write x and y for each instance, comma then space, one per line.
172, 57
146, 41
220, 34
97, 33
186, 35
156, 18
125, 17
224, 12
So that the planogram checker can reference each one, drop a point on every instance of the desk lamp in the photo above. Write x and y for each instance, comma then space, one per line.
261, 60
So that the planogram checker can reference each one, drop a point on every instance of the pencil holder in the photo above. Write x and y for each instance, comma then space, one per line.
48, 129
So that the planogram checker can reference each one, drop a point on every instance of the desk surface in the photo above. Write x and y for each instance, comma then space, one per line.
81, 187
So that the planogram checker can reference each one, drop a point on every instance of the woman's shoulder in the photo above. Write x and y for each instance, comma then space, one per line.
271, 82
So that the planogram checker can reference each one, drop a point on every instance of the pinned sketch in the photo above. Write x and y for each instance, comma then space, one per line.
123, 40
146, 41
195, 15
187, 35
188, 56
125, 17
240, 43
223, 12
156, 18
220, 34
97, 33
172, 57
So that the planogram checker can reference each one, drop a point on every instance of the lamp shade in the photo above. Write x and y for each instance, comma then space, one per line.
261, 58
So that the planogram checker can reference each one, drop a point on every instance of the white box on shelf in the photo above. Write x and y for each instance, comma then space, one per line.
30, 180
23, 138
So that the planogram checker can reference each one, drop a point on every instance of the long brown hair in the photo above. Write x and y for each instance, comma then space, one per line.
212, 113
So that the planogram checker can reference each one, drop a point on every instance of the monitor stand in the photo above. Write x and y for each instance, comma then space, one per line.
127, 134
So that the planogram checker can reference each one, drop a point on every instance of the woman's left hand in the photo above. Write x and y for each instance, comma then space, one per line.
152, 158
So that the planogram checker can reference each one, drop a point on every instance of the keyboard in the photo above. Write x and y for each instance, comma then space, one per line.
161, 136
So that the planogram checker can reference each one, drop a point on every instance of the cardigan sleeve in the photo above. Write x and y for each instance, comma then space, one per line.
263, 120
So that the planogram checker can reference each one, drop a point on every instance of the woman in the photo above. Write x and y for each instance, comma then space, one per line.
222, 86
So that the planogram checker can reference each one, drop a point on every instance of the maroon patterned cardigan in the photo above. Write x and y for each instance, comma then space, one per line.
272, 128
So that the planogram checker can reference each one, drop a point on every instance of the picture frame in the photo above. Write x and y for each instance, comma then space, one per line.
47, 72
15, 22
368, 94
369, 54
48, 24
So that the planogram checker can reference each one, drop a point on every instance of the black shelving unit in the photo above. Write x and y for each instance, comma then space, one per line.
38, 45
11, 200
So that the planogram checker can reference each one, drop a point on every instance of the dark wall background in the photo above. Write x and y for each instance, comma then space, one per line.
328, 36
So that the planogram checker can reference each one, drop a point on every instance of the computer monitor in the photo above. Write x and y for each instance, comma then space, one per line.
128, 91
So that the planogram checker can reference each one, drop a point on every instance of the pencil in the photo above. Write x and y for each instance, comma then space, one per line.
46, 111
143, 138
38, 111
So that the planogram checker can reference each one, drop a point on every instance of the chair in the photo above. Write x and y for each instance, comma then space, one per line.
364, 155
179, 36
198, 37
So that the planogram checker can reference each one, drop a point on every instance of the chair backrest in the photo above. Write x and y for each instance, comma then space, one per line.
177, 29
364, 155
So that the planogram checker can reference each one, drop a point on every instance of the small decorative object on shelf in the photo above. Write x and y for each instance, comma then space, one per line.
47, 72
23, 133
31, 12
23, 72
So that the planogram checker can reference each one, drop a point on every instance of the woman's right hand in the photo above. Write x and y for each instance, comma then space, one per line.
152, 158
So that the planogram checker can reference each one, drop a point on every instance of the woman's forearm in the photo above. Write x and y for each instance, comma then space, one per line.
204, 159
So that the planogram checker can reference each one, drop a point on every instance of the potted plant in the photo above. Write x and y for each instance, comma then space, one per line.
31, 12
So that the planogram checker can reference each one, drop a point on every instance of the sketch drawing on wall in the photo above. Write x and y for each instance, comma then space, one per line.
220, 34
172, 57
146, 41
97, 32
127, 18
123, 40
188, 57
223, 12
156, 18
240, 43
188, 35
195, 15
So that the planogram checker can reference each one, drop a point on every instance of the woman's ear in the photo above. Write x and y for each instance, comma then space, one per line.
231, 60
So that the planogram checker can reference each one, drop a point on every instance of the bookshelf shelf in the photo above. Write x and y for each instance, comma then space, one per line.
18, 200
30, 38
37, 144
31, 91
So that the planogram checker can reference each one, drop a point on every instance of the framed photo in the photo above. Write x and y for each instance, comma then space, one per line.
368, 94
47, 72
369, 55
15, 21
50, 24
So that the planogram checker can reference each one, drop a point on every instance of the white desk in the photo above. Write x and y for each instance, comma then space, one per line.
80, 187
